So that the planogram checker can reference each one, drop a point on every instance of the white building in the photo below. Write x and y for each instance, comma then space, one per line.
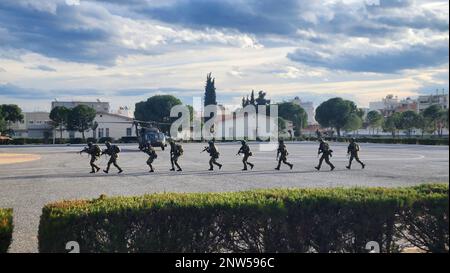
308, 106
426, 101
109, 125
239, 126
33, 125
390, 104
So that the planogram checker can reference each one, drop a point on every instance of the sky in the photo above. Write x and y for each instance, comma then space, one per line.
126, 51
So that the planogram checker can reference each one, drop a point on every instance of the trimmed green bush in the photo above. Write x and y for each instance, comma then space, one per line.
6, 228
277, 220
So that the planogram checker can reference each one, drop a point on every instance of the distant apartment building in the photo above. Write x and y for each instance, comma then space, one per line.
391, 104
33, 125
426, 101
99, 106
309, 109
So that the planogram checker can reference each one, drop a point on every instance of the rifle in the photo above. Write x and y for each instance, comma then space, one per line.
83, 151
204, 150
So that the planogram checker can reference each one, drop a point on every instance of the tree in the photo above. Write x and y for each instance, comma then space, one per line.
375, 120
59, 116
436, 116
261, 99
392, 124
354, 122
252, 98
295, 113
94, 128
191, 112
335, 113
409, 120
210, 91
157, 109
424, 124
445, 118
11, 113
2, 124
81, 118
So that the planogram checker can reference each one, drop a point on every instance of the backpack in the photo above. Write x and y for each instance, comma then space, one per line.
179, 150
97, 150
116, 149
214, 151
153, 154
357, 147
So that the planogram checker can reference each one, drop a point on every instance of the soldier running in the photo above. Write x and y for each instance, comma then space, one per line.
282, 150
245, 149
324, 149
113, 151
176, 150
214, 154
353, 151
94, 151
150, 151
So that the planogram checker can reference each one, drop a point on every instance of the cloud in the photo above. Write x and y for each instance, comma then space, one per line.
252, 16
42, 68
91, 33
12, 91
377, 60
16, 92
286, 17
64, 32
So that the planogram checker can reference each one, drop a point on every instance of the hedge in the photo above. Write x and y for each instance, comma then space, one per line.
6, 228
278, 220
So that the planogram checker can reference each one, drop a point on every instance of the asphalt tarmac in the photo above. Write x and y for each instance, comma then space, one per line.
61, 173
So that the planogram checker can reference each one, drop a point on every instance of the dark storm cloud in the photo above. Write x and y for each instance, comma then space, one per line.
253, 16
383, 61
63, 34
88, 33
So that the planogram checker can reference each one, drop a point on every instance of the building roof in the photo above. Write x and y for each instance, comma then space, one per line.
117, 116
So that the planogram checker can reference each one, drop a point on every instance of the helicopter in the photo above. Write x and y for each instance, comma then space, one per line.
147, 132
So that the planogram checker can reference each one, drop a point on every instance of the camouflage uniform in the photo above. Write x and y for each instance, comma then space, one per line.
94, 151
245, 149
282, 154
214, 154
324, 149
175, 154
150, 151
112, 151
353, 151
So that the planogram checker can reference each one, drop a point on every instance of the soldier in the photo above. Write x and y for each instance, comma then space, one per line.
353, 151
94, 151
214, 154
113, 151
282, 150
148, 149
245, 149
176, 150
324, 149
